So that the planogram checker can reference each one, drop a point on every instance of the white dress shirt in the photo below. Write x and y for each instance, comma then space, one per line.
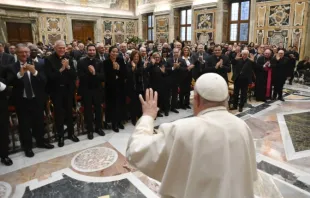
29, 76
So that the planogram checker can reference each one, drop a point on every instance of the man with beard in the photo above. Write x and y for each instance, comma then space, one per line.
293, 57
280, 71
175, 69
61, 86
91, 74
242, 77
217, 63
263, 73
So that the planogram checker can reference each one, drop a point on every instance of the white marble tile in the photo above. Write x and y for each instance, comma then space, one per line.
21, 161
290, 152
290, 191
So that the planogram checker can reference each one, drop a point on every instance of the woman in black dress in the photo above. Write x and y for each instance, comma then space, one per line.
115, 75
135, 84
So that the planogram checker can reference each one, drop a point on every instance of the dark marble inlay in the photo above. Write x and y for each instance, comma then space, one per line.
282, 174
72, 188
299, 126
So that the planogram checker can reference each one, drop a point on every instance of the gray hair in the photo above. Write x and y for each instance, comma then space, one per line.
245, 52
99, 45
60, 42
21, 45
142, 48
31, 47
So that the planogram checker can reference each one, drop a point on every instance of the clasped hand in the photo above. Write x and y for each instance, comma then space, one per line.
91, 69
27, 67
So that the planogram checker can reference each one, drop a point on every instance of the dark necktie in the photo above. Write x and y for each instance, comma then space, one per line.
27, 86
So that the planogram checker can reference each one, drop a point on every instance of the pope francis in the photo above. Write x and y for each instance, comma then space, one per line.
210, 155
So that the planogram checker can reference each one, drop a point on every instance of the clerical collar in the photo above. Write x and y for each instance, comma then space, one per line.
35, 59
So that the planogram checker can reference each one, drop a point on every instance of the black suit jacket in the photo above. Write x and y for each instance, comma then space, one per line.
211, 63
5, 78
57, 79
89, 81
175, 76
243, 68
37, 82
105, 56
6, 59
280, 69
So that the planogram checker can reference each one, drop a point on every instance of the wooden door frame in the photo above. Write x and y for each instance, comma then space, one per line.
32, 21
86, 21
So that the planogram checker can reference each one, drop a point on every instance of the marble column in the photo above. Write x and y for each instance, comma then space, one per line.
140, 27
307, 39
252, 22
98, 30
171, 25
69, 29
219, 15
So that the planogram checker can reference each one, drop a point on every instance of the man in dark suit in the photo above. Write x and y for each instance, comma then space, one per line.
61, 77
293, 57
4, 113
175, 69
101, 55
5, 58
78, 54
28, 97
281, 71
91, 74
123, 53
218, 63
243, 71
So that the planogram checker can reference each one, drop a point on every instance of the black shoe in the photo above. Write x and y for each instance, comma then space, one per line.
29, 153
73, 138
290, 83
6, 161
61, 142
281, 99
174, 111
100, 132
233, 108
188, 107
273, 98
166, 114
115, 129
107, 126
90, 135
240, 109
159, 115
133, 122
120, 126
183, 107
45, 145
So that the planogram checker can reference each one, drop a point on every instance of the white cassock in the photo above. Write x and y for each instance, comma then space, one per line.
208, 156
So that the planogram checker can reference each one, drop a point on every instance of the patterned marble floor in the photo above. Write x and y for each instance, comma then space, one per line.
280, 135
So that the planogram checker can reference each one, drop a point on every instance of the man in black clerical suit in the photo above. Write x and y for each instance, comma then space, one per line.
61, 77
218, 63
4, 113
175, 69
91, 74
280, 72
243, 71
293, 57
28, 97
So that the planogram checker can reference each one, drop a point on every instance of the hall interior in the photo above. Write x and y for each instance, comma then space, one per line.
98, 167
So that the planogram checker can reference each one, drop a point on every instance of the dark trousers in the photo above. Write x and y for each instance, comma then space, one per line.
240, 84
185, 92
63, 102
173, 96
30, 116
278, 89
135, 107
92, 97
4, 128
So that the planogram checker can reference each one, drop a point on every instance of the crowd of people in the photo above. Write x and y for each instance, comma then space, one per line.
30, 75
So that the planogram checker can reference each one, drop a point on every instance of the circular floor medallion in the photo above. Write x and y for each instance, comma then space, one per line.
94, 159
5, 189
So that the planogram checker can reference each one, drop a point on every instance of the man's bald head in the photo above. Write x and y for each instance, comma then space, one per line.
267, 53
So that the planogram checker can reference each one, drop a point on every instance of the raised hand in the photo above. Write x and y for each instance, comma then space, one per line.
91, 69
149, 105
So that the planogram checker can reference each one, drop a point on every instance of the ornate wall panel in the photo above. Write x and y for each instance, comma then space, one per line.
118, 30
204, 25
162, 28
52, 28
282, 21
